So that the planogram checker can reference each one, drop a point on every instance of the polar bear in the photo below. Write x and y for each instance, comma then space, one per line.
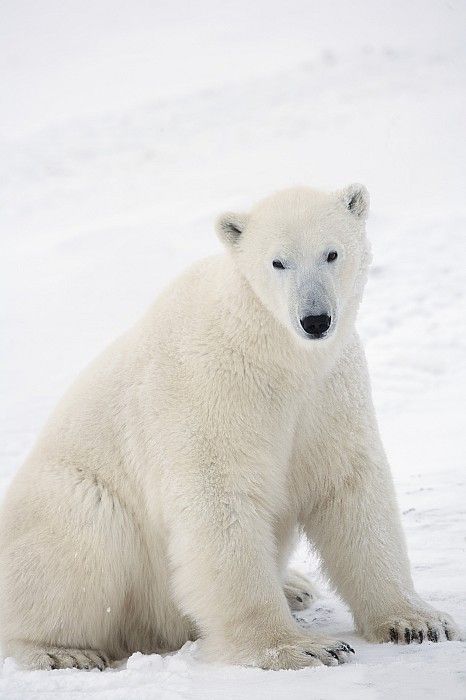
163, 498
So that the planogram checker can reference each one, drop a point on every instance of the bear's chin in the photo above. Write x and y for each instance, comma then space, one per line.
311, 342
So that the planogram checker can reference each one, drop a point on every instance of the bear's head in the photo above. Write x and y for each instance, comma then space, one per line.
305, 254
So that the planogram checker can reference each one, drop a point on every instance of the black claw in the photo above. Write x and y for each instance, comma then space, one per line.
308, 594
309, 653
54, 662
421, 636
333, 653
407, 635
432, 635
298, 597
447, 634
393, 635
344, 646
300, 620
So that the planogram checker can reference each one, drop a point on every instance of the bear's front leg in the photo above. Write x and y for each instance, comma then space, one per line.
356, 524
225, 576
359, 537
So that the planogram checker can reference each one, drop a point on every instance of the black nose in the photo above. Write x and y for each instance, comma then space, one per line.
316, 326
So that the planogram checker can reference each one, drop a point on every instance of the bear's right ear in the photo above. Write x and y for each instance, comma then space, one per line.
230, 226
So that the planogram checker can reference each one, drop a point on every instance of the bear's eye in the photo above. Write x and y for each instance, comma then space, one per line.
278, 264
333, 255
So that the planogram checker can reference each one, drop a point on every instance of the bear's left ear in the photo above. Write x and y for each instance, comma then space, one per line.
230, 226
355, 197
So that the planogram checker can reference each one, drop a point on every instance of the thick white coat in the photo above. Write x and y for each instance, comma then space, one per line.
163, 498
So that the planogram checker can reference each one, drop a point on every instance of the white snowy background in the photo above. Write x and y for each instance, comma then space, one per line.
125, 127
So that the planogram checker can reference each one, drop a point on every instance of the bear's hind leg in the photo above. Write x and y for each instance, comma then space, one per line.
45, 658
68, 572
299, 591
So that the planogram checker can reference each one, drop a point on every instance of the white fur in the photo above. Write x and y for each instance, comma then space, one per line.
163, 497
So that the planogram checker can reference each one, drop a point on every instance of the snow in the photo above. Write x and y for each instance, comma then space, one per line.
124, 129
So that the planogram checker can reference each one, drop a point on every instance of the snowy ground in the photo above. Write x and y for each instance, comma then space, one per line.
125, 128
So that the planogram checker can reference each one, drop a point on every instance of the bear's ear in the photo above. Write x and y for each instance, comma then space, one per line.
230, 226
355, 197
